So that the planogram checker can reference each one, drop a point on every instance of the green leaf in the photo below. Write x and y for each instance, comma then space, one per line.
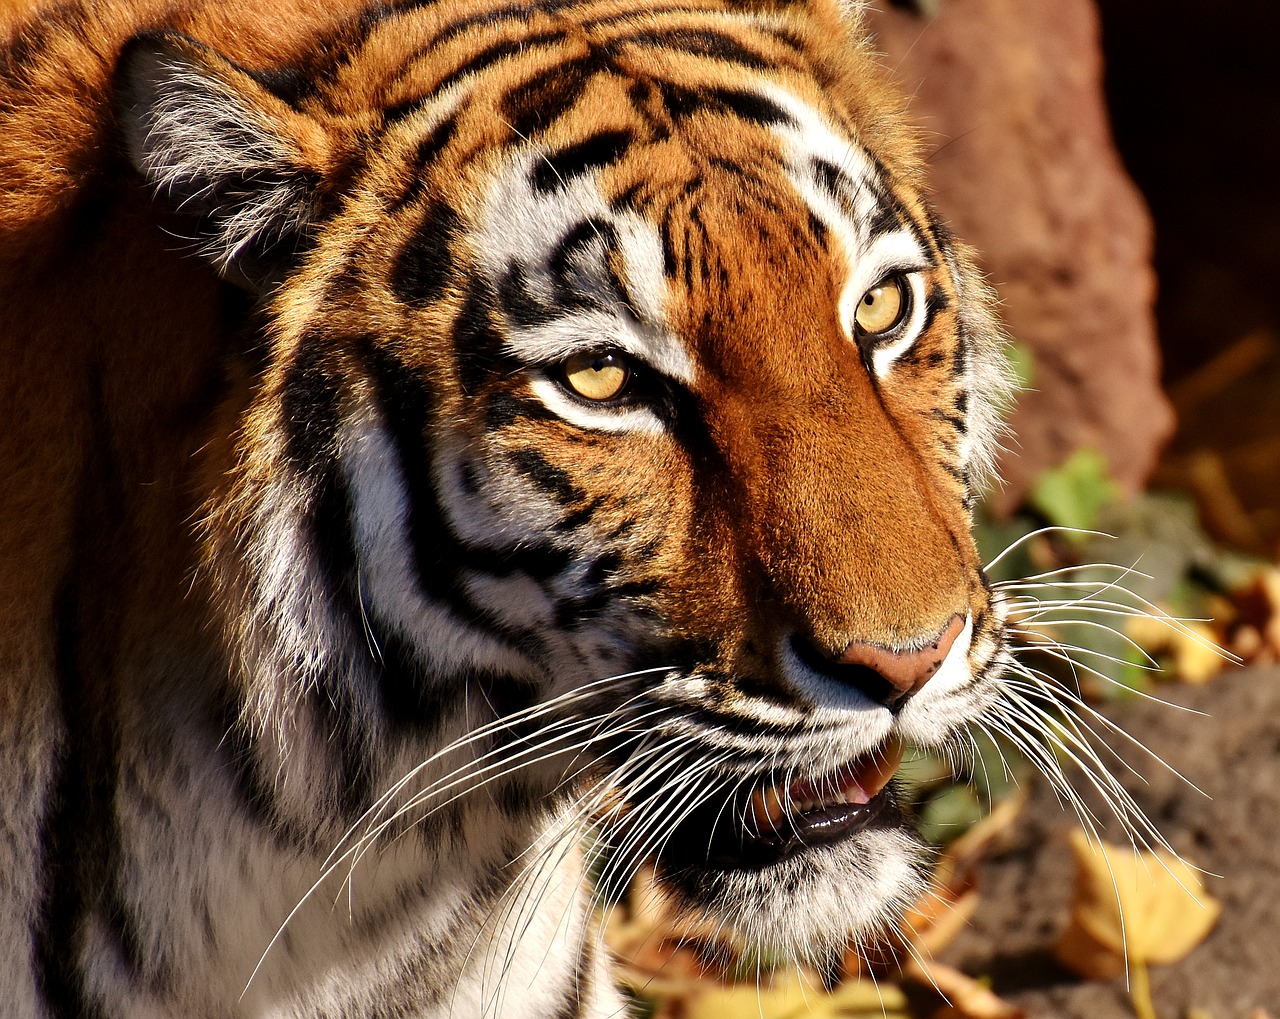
1074, 494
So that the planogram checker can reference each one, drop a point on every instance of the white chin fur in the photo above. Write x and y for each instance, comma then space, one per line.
810, 906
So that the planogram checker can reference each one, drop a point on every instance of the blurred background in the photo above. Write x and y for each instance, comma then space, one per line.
1195, 108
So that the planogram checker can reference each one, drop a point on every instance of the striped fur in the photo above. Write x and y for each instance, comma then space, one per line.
338, 626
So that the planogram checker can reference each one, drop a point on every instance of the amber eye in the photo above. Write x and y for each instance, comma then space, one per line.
597, 376
882, 307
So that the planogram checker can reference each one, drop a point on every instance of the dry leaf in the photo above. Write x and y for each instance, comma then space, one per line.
967, 999
790, 997
1132, 905
1193, 646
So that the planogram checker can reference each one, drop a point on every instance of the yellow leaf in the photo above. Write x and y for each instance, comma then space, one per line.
788, 997
1196, 656
1193, 645
1132, 905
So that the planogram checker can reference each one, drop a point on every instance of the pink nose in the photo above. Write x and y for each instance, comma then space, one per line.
905, 671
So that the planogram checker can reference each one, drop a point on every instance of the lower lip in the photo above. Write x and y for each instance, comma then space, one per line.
705, 842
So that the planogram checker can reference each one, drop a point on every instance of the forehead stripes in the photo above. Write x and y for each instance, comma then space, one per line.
574, 272
580, 237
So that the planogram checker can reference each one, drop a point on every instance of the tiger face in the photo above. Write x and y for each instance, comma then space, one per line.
624, 406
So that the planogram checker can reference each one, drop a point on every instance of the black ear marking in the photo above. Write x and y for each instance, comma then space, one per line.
219, 148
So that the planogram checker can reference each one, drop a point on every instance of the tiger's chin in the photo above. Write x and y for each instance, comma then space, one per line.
798, 865
804, 888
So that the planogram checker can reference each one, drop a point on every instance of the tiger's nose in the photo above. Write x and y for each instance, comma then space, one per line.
884, 675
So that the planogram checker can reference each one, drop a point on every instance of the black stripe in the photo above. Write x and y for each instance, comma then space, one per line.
565, 267
571, 611
934, 302
479, 61
541, 562
750, 106
414, 700
680, 100
960, 360
477, 342
592, 153
698, 42
834, 181
292, 84
407, 406
582, 515
535, 104
428, 151
818, 229
645, 13
954, 472
519, 303
670, 260
440, 557
683, 101
889, 203
495, 16
957, 423
72, 835
426, 263
884, 220
553, 480
695, 226
627, 199
411, 698
256, 795
505, 409
309, 407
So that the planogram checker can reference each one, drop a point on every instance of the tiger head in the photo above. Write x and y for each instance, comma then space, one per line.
624, 406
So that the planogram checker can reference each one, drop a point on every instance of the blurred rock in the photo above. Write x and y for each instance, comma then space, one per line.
1023, 167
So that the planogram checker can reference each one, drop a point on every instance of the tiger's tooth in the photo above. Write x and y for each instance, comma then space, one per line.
766, 808
880, 767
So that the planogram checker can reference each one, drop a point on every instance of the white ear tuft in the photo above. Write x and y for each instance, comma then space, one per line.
217, 147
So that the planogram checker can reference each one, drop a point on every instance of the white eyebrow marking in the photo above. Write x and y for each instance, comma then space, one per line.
522, 226
850, 213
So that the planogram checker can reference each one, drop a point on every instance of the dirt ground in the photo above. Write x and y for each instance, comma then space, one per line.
1232, 753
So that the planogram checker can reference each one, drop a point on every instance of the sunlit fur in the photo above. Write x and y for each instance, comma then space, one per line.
337, 630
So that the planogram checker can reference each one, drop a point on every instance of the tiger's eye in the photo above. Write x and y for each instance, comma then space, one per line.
597, 376
881, 307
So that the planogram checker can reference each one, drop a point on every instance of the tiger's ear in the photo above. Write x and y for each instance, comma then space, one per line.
241, 164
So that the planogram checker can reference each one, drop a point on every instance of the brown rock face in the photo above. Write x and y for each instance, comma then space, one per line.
1023, 167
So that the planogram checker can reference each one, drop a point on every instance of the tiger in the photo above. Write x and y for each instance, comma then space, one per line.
459, 453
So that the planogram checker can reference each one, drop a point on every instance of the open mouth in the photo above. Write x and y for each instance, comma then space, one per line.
775, 820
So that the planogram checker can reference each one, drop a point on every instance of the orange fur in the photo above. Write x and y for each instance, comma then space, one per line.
144, 393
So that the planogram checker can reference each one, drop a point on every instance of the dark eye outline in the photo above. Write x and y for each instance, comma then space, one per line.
625, 394
899, 279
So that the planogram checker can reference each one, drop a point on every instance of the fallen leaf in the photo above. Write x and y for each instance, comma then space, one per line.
966, 997
1192, 645
788, 996
1132, 906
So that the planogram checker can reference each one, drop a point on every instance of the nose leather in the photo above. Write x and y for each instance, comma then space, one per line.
905, 671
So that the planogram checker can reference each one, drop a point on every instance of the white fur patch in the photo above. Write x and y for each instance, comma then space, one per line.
521, 225
849, 213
